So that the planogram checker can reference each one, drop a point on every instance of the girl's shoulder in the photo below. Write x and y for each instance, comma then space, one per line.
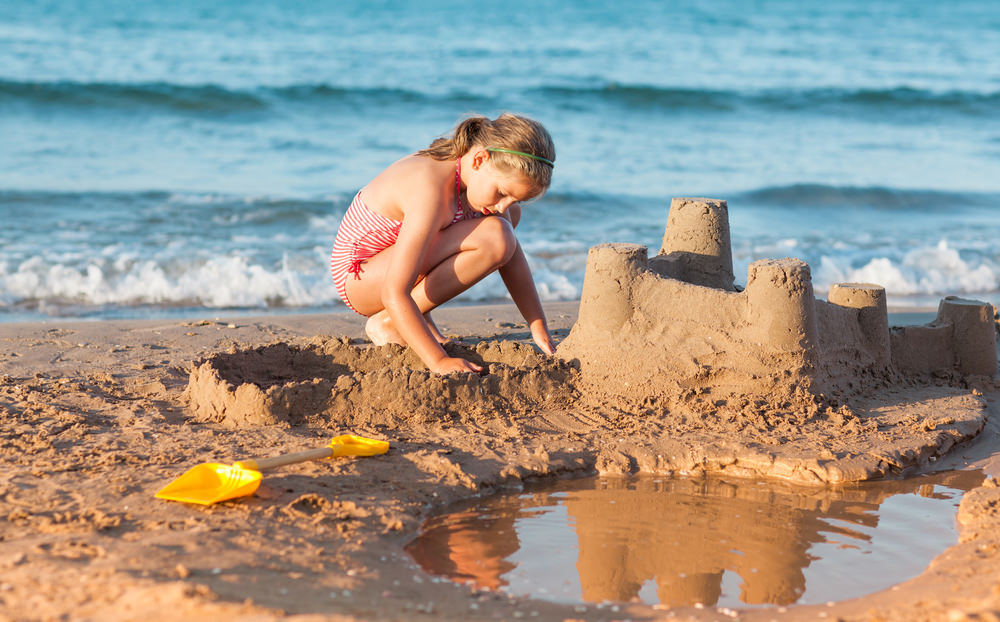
412, 182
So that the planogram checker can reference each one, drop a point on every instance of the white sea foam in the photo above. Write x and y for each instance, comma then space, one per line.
938, 269
192, 198
230, 281
298, 280
123, 275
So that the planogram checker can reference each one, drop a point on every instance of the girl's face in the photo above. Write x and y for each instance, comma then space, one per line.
492, 191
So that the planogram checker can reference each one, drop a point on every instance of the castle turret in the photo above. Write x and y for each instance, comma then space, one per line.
696, 246
606, 301
973, 334
781, 308
873, 316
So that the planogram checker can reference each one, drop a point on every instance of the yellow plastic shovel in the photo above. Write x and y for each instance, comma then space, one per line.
212, 482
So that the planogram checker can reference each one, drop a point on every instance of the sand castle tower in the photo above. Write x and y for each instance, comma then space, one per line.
674, 323
696, 246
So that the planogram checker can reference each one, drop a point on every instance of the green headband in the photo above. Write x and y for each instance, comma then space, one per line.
521, 153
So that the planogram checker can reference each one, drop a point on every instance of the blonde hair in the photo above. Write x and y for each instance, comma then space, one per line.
508, 131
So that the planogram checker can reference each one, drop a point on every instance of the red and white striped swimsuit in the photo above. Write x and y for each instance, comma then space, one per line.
363, 234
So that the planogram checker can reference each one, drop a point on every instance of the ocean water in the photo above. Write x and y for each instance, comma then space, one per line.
189, 157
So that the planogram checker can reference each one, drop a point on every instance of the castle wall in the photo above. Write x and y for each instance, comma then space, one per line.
646, 335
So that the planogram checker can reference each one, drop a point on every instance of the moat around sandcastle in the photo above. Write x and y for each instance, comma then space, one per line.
670, 359
676, 542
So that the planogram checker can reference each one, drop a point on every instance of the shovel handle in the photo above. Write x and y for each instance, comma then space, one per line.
264, 464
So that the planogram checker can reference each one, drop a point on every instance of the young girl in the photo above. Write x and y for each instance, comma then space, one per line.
436, 222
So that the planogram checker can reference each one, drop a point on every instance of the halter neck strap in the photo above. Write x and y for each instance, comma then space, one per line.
458, 186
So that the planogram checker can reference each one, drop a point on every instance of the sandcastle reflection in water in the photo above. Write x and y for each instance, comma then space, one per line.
683, 541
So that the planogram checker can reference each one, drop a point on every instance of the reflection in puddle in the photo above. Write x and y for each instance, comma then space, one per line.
682, 541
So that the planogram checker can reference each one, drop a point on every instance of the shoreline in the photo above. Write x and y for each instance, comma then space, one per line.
96, 419
903, 314
341, 317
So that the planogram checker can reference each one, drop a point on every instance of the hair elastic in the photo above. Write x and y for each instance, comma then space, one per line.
521, 153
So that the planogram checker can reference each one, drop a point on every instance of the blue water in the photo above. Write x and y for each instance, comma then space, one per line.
157, 157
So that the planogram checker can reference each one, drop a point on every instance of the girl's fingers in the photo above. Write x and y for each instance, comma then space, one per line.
451, 365
468, 365
544, 341
545, 344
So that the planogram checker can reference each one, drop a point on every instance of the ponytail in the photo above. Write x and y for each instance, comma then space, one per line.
466, 134
517, 144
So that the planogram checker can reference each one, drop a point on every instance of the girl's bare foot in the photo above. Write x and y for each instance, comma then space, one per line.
434, 330
380, 330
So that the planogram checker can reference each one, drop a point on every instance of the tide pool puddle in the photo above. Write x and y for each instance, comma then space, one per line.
676, 541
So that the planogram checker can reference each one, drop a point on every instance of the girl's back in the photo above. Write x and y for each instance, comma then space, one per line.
400, 186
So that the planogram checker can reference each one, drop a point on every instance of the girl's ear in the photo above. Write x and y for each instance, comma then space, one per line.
480, 157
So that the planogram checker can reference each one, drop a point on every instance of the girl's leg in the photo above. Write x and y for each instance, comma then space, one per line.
456, 259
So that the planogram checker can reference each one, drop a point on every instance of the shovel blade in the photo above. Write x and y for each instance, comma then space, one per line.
353, 445
210, 483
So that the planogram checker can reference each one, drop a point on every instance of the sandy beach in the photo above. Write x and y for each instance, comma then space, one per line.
97, 416
781, 406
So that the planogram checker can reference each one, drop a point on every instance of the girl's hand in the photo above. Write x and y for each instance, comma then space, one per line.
450, 365
540, 333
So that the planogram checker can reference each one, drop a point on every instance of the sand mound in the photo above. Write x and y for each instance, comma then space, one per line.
330, 381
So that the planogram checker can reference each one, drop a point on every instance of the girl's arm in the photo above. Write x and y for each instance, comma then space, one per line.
516, 276
419, 226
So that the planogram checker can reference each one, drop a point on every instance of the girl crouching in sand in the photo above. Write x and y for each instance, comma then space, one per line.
436, 222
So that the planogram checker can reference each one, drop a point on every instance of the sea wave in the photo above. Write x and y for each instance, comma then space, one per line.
202, 99
927, 270
225, 281
885, 100
819, 195
121, 278
323, 211
793, 195
114, 250
219, 100
137, 209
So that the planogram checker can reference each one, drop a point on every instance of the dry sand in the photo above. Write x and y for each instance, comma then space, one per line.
96, 416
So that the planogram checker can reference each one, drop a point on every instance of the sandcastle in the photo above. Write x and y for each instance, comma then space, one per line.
670, 368
675, 323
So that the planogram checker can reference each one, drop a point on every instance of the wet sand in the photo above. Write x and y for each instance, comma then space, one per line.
96, 416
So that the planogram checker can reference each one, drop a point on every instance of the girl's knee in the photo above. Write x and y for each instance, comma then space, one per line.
498, 239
